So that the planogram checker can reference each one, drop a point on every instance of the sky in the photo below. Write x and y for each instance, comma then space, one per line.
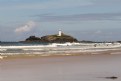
94, 20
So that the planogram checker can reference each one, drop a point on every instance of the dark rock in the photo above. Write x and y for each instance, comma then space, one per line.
112, 77
33, 38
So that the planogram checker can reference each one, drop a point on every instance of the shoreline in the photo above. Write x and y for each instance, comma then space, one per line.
107, 52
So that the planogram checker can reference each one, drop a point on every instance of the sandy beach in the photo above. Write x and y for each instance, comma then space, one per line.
62, 68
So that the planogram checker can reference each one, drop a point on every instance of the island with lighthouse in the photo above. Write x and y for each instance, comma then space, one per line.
56, 38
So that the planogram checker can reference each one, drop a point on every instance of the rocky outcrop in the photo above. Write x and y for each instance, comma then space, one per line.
58, 39
52, 39
33, 39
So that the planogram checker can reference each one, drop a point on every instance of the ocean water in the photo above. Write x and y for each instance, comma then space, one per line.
13, 48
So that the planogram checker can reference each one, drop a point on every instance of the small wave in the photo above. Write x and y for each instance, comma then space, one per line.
65, 44
33, 49
14, 50
116, 53
36, 46
3, 49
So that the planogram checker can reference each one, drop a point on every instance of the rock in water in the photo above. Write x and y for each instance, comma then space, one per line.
52, 39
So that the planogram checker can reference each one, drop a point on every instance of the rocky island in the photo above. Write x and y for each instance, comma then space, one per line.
56, 38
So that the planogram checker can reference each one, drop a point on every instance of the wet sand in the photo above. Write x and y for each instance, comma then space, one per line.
62, 68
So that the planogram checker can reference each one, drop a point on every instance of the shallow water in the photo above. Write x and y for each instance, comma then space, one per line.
64, 68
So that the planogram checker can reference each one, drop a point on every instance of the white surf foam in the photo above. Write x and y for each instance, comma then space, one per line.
59, 48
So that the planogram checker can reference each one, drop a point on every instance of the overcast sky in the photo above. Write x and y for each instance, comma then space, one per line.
98, 20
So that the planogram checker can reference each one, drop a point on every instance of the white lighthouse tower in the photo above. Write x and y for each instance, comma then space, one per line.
60, 32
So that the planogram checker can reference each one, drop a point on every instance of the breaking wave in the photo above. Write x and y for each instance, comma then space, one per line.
55, 48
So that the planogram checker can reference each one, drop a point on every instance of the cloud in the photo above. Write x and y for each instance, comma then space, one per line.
26, 28
79, 17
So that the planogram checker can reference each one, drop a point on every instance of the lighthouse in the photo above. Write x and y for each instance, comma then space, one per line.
60, 32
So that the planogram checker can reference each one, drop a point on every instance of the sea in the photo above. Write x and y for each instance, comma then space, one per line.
45, 49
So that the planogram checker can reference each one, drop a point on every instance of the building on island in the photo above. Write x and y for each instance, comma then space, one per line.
60, 32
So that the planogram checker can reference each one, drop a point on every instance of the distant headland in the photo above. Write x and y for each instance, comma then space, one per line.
56, 38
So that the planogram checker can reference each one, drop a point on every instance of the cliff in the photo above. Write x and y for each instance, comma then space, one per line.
52, 39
